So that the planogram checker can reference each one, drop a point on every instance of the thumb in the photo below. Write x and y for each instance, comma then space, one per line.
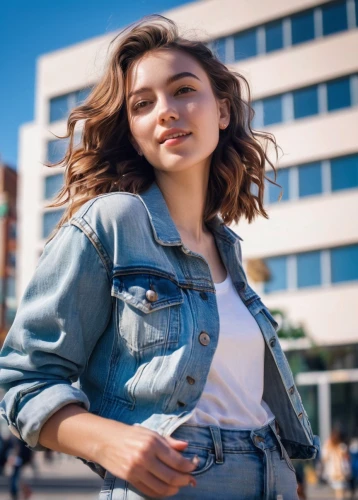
176, 443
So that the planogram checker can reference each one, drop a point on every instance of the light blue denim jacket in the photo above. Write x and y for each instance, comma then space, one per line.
121, 317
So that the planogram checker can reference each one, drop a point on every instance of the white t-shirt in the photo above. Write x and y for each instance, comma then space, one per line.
232, 396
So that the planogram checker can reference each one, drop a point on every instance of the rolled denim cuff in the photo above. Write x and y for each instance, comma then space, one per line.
33, 412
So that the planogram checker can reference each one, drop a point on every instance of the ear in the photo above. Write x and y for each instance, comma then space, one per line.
223, 113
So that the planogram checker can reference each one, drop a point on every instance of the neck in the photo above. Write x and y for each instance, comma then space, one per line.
185, 196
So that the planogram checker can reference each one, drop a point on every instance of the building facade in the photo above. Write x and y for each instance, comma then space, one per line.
300, 60
8, 188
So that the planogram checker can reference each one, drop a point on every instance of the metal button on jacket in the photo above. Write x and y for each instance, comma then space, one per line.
273, 341
204, 338
151, 295
190, 380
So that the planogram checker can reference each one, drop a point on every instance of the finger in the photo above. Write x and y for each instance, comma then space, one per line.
159, 487
169, 475
174, 459
176, 443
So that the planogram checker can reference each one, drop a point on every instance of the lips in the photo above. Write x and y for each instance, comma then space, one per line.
165, 136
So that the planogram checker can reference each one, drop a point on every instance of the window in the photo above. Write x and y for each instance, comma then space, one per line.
10, 287
10, 314
338, 94
59, 107
302, 27
305, 102
219, 47
344, 264
53, 184
278, 272
344, 172
245, 44
81, 95
49, 221
11, 259
274, 36
310, 179
334, 17
308, 269
56, 150
272, 110
283, 180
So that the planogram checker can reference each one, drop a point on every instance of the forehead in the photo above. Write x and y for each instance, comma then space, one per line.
153, 68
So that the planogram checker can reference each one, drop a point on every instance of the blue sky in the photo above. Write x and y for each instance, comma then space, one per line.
29, 29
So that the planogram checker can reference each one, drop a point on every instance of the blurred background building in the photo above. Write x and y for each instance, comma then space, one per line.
300, 58
8, 188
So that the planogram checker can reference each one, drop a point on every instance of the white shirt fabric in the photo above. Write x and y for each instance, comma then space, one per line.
232, 396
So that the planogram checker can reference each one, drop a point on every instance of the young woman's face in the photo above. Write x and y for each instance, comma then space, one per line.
169, 92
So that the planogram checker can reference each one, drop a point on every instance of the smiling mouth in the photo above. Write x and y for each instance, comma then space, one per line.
175, 139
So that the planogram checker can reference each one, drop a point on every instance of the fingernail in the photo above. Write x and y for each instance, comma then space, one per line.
196, 460
192, 483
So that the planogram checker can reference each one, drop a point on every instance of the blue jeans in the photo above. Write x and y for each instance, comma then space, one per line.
234, 465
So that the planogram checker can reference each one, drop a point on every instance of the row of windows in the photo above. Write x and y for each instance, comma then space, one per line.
323, 20
61, 106
313, 179
322, 267
316, 99
296, 182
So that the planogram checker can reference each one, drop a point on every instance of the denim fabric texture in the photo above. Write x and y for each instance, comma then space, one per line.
120, 316
234, 465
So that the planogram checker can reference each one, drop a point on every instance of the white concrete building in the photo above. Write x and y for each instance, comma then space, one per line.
300, 58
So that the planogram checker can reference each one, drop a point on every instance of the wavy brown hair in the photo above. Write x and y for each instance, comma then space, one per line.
106, 161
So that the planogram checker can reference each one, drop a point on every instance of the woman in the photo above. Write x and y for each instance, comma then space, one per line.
336, 463
129, 295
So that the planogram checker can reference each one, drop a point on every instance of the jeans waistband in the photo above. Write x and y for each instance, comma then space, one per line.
220, 440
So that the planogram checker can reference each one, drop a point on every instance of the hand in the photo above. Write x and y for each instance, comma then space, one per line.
151, 463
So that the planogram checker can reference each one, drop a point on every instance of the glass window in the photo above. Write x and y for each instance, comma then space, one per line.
272, 110
344, 172
283, 180
53, 183
245, 44
344, 263
219, 47
11, 259
59, 107
334, 16
308, 269
310, 179
49, 221
302, 27
305, 102
338, 94
274, 36
81, 95
9, 317
56, 150
278, 274
10, 287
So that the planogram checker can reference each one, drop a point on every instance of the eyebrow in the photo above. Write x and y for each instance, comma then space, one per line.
170, 80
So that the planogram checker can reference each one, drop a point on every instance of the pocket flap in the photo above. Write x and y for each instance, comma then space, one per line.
132, 289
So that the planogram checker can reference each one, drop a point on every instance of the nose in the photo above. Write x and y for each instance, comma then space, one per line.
167, 110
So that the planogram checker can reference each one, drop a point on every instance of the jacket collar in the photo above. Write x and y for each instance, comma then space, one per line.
164, 229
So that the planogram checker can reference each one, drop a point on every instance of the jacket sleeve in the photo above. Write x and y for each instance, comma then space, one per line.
64, 311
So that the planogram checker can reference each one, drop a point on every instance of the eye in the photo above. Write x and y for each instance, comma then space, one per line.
186, 88
139, 105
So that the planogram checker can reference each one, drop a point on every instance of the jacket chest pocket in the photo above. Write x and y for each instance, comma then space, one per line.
148, 310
